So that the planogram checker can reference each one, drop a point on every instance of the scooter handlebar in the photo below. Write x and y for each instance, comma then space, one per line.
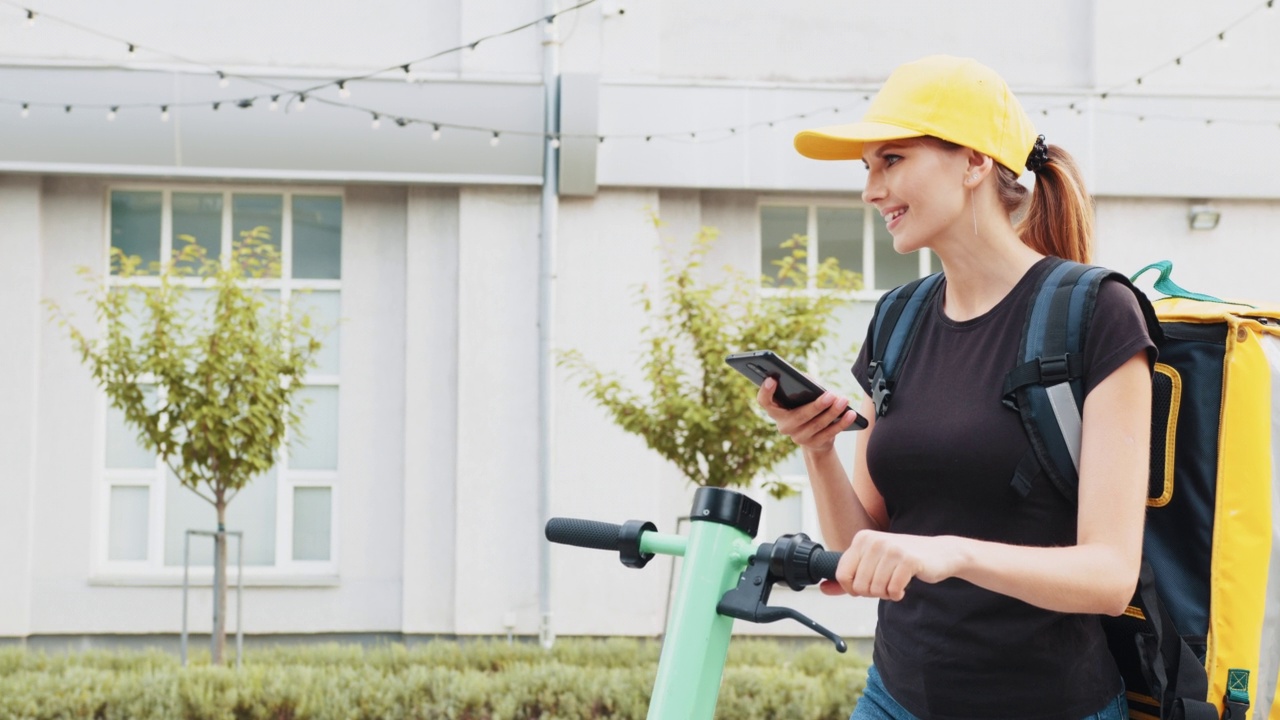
823, 565
584, 533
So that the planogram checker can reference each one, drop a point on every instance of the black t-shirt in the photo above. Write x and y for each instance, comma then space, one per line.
943, 458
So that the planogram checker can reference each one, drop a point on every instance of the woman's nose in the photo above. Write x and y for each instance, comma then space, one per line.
874, 189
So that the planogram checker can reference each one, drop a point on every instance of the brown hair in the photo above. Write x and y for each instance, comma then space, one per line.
1059, 220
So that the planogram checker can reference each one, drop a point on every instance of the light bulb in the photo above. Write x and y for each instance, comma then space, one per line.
275, 103
26, 110
111, 114
377, 122
408, 72
302, 103
435, 132
133, 49
555, 143
342, 90
31, 18
493, 141
223, 80
164, 113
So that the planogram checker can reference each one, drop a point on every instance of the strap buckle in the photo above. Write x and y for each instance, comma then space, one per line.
880, 392
1054, 370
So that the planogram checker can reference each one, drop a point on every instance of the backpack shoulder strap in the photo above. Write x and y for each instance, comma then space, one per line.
1046, 387
898, 315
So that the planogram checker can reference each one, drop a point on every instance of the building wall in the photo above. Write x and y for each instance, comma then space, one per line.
435, 507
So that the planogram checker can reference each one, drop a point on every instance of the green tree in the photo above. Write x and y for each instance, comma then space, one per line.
210, 387
695, 410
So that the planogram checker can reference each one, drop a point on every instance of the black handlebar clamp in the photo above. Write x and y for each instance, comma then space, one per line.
629, 543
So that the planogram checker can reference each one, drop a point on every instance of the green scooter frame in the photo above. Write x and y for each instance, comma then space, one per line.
726, 576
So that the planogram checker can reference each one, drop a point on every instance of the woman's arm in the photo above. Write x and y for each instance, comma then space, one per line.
1096, 575
842, 512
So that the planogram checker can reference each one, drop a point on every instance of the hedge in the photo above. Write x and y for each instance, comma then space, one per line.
578, 679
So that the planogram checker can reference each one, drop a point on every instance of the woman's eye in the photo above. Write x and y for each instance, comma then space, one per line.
892, 159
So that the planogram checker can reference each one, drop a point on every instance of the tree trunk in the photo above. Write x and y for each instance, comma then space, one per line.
220, 580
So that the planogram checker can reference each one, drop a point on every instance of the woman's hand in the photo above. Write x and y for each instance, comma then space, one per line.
881, 564
813, 426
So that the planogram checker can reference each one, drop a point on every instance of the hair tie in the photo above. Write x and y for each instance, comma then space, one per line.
1039, 156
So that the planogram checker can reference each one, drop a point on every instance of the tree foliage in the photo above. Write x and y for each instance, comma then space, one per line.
695, 410
210, 387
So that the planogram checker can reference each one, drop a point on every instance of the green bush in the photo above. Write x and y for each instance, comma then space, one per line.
483, 680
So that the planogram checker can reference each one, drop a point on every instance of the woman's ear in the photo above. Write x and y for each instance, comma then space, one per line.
979, 167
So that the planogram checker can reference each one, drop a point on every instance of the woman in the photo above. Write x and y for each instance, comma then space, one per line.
989, 604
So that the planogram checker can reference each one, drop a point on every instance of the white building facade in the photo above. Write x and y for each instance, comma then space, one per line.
412, 509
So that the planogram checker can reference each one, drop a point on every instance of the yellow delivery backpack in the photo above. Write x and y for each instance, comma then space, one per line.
1212, 542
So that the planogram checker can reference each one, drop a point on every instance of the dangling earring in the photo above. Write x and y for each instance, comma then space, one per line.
973, 205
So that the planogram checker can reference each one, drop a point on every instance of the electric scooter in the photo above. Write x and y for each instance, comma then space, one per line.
725, 577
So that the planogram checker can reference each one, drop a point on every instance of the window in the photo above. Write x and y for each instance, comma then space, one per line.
856, 236
286, 515
853, 234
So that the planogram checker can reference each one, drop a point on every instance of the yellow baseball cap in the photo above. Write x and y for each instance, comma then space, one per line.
952, 98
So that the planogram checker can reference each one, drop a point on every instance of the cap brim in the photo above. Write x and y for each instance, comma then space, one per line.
844, 142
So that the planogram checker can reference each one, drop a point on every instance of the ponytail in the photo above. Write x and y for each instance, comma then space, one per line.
1059, 220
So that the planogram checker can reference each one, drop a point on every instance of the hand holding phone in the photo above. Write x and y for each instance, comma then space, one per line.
794, 388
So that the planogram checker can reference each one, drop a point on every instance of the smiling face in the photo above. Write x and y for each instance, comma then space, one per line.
918, 185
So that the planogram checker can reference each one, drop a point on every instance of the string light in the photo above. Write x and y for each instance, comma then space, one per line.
111, 114
493, 141
275, 103
164, 113
702, 134
377, 122
31, 18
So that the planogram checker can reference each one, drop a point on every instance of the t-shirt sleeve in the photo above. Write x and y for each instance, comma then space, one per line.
1117, 332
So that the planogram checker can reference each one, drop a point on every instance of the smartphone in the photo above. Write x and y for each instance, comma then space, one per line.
794, 389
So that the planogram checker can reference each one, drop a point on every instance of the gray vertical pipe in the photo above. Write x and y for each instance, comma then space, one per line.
546, 286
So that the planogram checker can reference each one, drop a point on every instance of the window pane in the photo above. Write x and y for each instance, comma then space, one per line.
783, 516
124, 450
840, 236
135, 225
892, 269
252, 510
198, 217
127, 534
317, 449
312, 509
317, 237
260, 216
325, 308
778, 224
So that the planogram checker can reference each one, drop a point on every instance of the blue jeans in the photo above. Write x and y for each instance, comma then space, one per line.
876, 704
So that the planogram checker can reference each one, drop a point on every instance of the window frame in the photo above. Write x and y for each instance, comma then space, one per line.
870, 292
153, 570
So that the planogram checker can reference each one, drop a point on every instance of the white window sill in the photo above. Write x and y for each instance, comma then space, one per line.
205, 580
